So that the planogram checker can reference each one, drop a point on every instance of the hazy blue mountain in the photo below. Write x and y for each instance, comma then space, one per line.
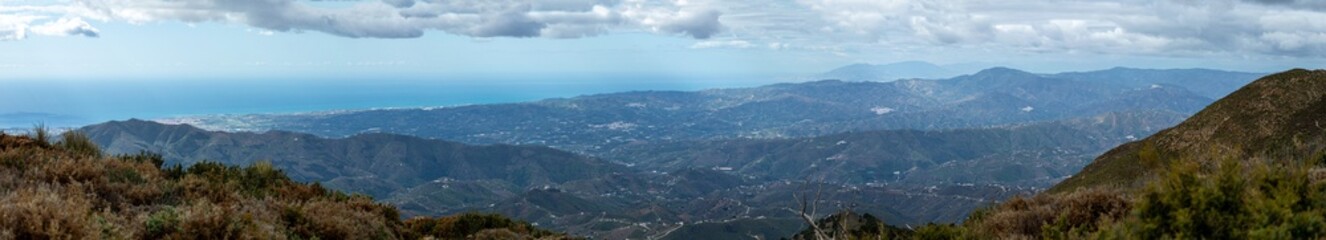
889, 72
376, 164
1033, 155
707, 185
1214, 84
556, 189
671, 162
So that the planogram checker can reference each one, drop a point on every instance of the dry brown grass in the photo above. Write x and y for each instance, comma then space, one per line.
45, 212
1028, 218
48, 191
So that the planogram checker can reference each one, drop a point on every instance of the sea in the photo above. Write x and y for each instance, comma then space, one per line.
67, 103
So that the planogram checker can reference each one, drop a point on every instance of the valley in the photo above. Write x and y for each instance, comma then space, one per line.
683, 165
662, 119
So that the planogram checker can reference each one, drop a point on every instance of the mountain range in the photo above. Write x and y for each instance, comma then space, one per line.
1030, 155
375, 164
689, 165
597, 123
894, 71
561, 190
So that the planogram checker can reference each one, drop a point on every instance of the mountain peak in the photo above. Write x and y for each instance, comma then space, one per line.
1277, 114
1002, 71
139, 124
133, 121
910, 64
999, 77
888, 72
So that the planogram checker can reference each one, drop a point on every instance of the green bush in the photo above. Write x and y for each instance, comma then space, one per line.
259, 179
162, 222
467, 225
1227, 198
144, 156
125, 175
1232, 201
79, 143
939, 231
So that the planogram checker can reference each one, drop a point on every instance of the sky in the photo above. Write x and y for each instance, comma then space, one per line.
611, 45
91, 39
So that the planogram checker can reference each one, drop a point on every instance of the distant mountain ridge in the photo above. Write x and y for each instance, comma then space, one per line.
713, 160
1037, 154
376, 164
1278, 114
556, 189
943, 174
1214, 84
597, 123
890, 72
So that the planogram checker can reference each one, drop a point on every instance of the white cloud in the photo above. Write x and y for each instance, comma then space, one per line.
18, 27
14, 27
1303, 4
413, 18
722, 44
66, 27
1181, 28
1124, 27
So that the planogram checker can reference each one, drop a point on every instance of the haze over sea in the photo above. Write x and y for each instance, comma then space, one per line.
72, 103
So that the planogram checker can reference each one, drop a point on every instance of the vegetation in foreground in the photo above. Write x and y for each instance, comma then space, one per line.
1250, 166
1221, 199
69, 189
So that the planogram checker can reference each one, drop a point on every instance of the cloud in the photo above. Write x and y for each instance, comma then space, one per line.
725, 44
1305, 4
19, 27
14, 27
405, 18
66, 27
1168, 28
511, 23
700, 25
399, 3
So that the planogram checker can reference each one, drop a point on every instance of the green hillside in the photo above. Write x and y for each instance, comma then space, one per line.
1278, 115
1248, 167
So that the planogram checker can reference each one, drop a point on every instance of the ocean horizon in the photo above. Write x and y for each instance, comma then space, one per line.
73, 103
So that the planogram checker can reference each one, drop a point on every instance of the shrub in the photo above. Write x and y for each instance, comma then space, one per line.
144, 156
41, 134
261, 177
162, 222
939, 231
17, 160
1221, 199
79, 143
205, 220
49, 192
468, 225
125, 175
1050, 213
1232, 201
357, 218
45, 213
